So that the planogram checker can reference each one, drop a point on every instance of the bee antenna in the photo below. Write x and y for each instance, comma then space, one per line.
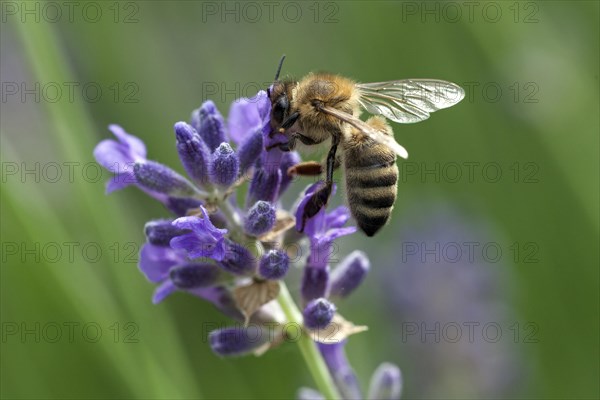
279, 67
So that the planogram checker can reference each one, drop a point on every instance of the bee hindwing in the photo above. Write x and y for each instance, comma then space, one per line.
366, 129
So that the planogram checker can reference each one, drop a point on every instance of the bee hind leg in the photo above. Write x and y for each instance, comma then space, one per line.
320, 198
307, 168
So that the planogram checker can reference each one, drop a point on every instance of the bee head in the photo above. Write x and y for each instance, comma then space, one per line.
280, 104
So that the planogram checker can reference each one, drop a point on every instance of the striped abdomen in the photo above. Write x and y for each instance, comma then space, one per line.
371, 182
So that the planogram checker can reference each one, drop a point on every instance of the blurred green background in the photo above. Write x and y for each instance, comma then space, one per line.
77, 321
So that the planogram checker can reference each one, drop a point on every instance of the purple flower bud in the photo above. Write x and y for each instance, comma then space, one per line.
264, 186
386, 383
250, 150
340, 369
162, 179
349, 274
305, 393
314, 282
260, 219
274, 264
209, 124
237, 259
181, 206
160, 232
237, 341
225, 165
289, 159
347, 383
318, 313
194, 275
193, 152
156, 261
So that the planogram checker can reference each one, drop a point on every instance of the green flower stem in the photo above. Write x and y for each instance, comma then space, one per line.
309, 350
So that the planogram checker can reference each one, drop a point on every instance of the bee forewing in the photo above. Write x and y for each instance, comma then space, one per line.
372, 133
409, 100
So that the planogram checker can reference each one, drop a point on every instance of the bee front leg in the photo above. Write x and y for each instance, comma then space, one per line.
320, 198
291, 143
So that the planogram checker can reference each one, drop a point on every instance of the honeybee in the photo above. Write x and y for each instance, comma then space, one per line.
326, 107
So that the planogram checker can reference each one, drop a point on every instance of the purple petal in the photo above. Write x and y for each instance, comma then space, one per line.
135, 145
120, 181
155, 261
162, 291
189, 242
333, 234
205, 240
309, 228
263, 105
209, 227
114, 156
386, 382
193, 222
340, 369
337, 217
246, 116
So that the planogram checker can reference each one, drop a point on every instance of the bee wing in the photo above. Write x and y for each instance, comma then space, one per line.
362, 126
409, 100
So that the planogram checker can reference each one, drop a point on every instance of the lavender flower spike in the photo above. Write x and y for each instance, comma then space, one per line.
209, 124
386, 383
318, 313
346, 277
260, 219
224, 167
204, 240
237, 341
159, 178
193, 152
274, 264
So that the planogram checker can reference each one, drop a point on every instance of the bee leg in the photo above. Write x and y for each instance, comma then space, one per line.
307, 168
291, 143
320, 198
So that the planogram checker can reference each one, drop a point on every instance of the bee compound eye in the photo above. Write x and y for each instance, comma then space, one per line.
280, 108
